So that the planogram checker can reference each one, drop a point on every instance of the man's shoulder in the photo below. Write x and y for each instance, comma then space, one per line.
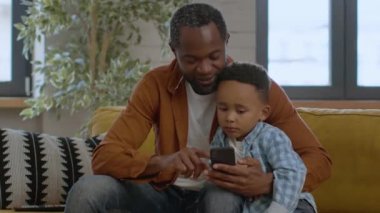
162, 71
166, 76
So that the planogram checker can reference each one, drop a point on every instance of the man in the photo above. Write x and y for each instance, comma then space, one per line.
178, 101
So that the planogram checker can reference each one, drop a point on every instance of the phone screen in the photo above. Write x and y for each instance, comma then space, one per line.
225, 155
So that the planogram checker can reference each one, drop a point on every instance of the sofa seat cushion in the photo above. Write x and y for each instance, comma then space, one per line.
352, 138
39, 169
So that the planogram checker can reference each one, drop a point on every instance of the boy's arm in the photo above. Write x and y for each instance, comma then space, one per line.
315, 157
288, 170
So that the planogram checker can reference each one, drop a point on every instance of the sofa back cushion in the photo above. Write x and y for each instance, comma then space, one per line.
39, 169
103, 119
352, 138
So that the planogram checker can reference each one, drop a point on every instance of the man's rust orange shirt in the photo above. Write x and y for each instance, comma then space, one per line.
160, 100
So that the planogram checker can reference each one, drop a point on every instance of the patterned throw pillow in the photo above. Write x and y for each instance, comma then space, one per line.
39, 169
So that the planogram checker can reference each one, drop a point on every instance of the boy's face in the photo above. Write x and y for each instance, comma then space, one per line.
239, 108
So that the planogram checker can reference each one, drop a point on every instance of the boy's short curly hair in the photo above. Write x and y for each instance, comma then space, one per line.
253, 74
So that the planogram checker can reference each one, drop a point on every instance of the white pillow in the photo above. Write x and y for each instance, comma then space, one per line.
39, 169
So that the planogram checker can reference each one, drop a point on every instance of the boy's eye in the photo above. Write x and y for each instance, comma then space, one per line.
222, 108
241, 111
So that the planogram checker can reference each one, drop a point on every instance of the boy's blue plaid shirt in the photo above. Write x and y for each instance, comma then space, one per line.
273, 149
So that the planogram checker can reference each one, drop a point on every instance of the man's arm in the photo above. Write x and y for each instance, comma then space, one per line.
186, 162
314, 156
117, 154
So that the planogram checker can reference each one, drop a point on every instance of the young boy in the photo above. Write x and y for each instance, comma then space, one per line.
242, 96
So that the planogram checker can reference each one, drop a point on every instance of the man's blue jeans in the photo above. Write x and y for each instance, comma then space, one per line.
99, 193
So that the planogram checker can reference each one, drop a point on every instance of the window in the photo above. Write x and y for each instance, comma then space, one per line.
368, 43
321, 49
14, 68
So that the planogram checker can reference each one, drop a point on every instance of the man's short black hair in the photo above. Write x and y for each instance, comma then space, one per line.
253, 74
195, 15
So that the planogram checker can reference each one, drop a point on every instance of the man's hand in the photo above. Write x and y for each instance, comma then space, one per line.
246, 178
186, 162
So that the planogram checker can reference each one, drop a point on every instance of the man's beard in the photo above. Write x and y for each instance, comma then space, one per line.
201, 90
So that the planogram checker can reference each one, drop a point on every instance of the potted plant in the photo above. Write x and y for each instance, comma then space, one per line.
93, 66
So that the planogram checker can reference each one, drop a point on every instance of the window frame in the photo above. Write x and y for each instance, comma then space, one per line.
342, 59
20, 67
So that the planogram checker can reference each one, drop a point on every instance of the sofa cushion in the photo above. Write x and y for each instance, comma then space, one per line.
103, 119
352, 138
39, 169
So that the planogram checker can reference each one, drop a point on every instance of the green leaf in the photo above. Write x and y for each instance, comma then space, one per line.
67, 61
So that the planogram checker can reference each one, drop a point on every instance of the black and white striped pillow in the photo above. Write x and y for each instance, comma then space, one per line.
39, 169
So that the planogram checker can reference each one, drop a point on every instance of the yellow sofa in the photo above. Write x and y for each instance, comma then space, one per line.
352, 137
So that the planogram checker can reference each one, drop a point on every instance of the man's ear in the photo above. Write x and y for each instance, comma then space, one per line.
172, 47
265, 112
227, 37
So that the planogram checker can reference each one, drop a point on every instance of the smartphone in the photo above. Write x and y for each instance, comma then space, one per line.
225, 155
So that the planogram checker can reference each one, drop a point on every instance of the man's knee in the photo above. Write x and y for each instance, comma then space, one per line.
215, 199
91, 192
95, 185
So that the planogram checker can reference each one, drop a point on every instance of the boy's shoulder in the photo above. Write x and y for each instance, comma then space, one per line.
273, 134
269, 128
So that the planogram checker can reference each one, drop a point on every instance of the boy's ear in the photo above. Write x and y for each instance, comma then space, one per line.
265, 112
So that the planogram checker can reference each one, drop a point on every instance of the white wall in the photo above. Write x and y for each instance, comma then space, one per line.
67, 125
240, 20
9, 119
239, 16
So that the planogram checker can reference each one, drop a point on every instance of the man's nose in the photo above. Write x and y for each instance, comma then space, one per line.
205, 67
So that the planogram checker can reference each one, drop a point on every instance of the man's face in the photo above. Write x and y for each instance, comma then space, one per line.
239, 108
201, 55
